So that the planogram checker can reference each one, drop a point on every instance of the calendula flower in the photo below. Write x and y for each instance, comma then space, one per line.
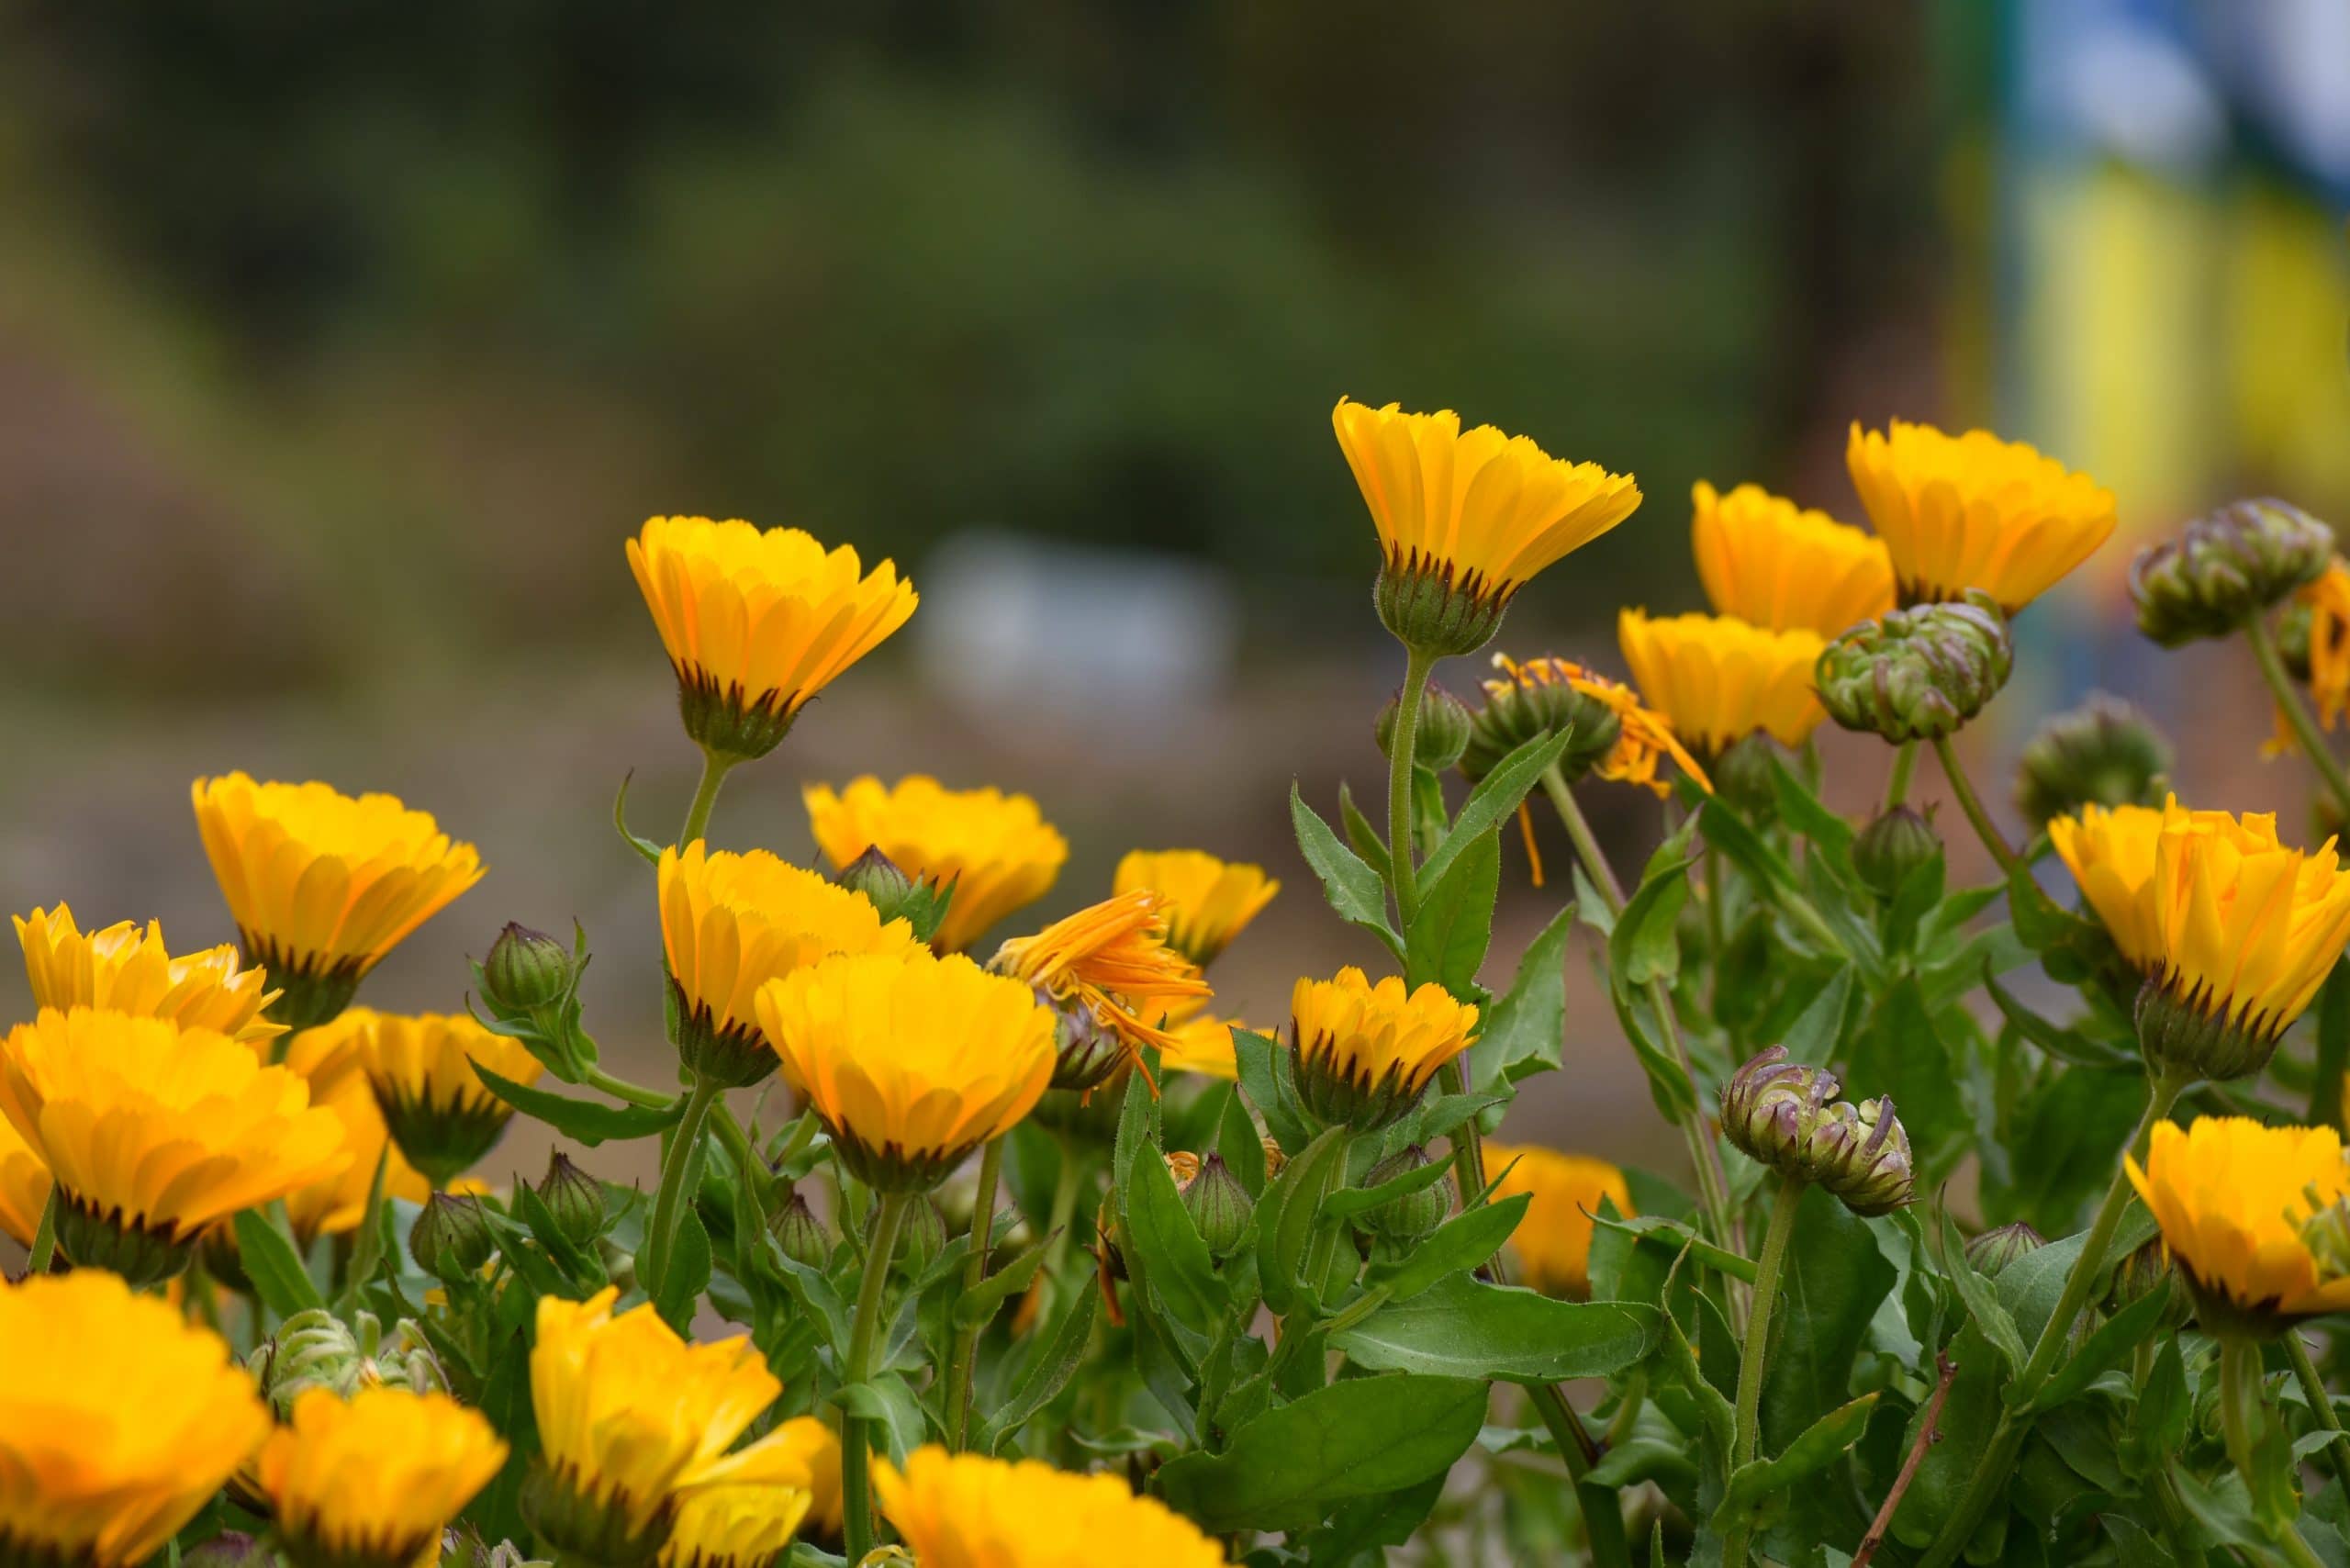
757, 622
1720, 679
24, 1185
995, 851
631, 1420
1974, 512
1208, 900
2315, 636
1466, 519
1202, 1044
911, 1063
745, 1520
1772, 564
966, 1511
730, 924
370, 1482
2233, 930
816, 1449
321, 885
442, 1115
1113, 962
1365, 1052
154, 1132
118, 1420
333, 1059
121, 968
1553, 1239
2252, 1215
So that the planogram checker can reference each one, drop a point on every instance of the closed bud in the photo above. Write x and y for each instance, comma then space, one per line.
1787, 1117
1917, 674
2147, 1269
1743, 775
1439, 734
1220, 1206
575, 1198
313, 1349
525, 969
921, 1236
1414, 1216
1891, 847
1517, 712
898, 896
800, 1234
2226, 568
1992, 1252
452, 1238
2103, 752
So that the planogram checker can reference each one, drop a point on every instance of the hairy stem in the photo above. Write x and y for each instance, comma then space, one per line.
715, 768
1972, 804
1400, 862
669, 1201
856, 1457
1602, 1515
2297, 713
1896, 785
975, 1272
1751, 1359
2337, 1450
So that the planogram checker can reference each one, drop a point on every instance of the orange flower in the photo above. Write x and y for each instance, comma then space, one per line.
1114, 958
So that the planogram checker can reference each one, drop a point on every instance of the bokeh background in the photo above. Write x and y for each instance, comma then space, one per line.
341, 346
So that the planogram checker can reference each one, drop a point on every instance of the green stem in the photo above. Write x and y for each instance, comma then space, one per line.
1897, 786
2297, 1551
746, 1156
1399, 741
1468, 1139
961, 1368
856, 1486
1751, 1359
1602, 1514
1324, 1251
621, 1088
1066, 1181
2337, 1450
2296, 711
669, 1201
715, 768
1587, 850
2239, 1403
1968, 802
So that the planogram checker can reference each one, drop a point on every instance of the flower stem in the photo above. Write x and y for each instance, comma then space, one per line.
856, 1458
715, 768
1468, 1139
1897, 786
1324, 1251
2239, 1401
961, 1368
621, 1088
1751, 1359
1968, 802
668, 1204
1401, 740
2296, 711
2337, 1450
1602, 1515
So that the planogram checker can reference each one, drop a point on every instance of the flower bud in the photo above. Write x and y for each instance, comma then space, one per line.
1414, 1216
1991, 1253
898, 896
525, 969
1220, 1207
1743, 775
452, 1238
1889, 849
2179, 1032
800, 1233
1917, 674
2103, 752
1786, 1116
921, 1236
1439, 734
575, 1198
2226, 568
2148, 1268
1517, 712
1086, 1052
313, 1349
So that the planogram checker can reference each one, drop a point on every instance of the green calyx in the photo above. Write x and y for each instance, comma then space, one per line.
1919, 674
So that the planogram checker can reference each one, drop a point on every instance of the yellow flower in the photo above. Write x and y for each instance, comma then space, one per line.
1208, 900
24, 1185
1553, 1239
1202, 1044
154, 1132
912, 1063
331, 1059
321, 885
816, 1447
995, 850
2327, 600
630, 1417
124, 969
730, 924
1720, 679
1643, 735
370, 1482
1974, 512
966, 1511
1365, 1051
1466, 519
118, 1420
1769, 562
1113, 959
2235, 1199
746, 1519
441, 1115
757, 622
2233, 930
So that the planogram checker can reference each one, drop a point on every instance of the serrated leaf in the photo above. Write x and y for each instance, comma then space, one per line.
1494, 801
1455, 922
1353, 889
584, 1121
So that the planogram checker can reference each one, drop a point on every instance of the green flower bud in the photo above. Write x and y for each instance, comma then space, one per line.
2103, 752
1220, 1207
1743, 775
2148, 1268
1416, 1215
1517, 712
800, 1234
1889, 849
1439, 733
2226, 568
921, 1236
452, 1238
575, 1198
1991, 1253
2182, 1032
1787, 1117
1086, 1050
525, 969
898, 896
1917, 674
316, 1349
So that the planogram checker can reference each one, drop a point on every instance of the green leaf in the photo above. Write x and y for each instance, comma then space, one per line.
273, 1265
1820, 1445
1646, 944
1289, 1468
2069, 1045
1464, 1328
584, 1121
1461, 1243
1817, 1035
1243, 1149
689, 1274
1138, 1134
1264, 1064
1288, 1212
1494, 799
2106, 1349
1982, 1303
1362, 834
645, 848
1167, 1245
1527, 1029
1349, 1202
1830, 1286
1353, 889
1830, 835
889, 1404
1455, 922
980, 1303
1048, 1374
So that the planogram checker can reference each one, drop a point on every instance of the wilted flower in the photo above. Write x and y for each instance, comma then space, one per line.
1612, 733
1364, 1052
1553, 1241
966, 1511
1917, 673
1787, 1117
121, 968
1204, 901
2226, 568
995, 851
440, 1114
369, 1482
1116, 961
1769, 562
1719, 680
2253, 1217
2103, 752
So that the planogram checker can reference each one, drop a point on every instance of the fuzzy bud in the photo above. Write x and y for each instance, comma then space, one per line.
800, 1234
1891, 847
1439, 733
525, 969
2103, 752
575, 1198
898, 896
1517, 712
1993, 1252
1917, 674
2226, 568
1787, 1117
1414, 1216
1220, 1207
1743, 775
452, 1238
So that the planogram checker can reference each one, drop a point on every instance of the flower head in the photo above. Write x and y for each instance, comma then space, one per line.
124, 969
370, 1482
2232, 930
1114, 962
2225, 568
322, 885
1202, 1044
1917, 674
1208, 901
440, 1114
153, 1132
118, 1420
995, 851
1769, 562
912, 1063
1553, 1239
24, 1186
331, 1059
816, 1449
1629, 740
755, 623
740, 1524
2315, 636
966, 1511
1466, 519
1786, 1115
2103, 752
730, 923
2238, 1202
1365, 1052
1718, 680
1974, 512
